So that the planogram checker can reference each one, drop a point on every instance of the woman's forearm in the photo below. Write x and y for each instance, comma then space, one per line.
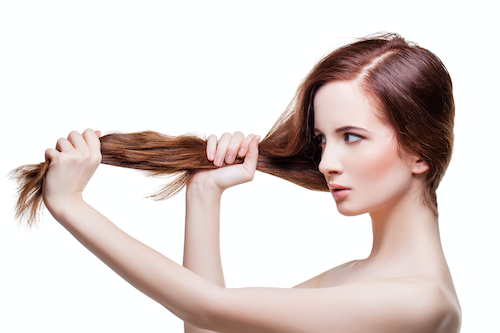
146, 269
202, 242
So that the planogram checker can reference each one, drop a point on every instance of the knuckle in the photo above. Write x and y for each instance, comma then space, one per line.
73, 134
87, 133
248, 139
96, 161
85, 156
97, 155
50, 154
65, 158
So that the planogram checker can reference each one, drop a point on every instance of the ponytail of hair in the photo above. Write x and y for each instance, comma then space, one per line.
179, 157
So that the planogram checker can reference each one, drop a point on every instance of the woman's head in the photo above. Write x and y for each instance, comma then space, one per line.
411, 90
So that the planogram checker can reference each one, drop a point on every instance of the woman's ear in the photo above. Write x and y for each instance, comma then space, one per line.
419, 166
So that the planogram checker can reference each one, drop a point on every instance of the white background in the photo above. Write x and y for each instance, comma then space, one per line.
209, 67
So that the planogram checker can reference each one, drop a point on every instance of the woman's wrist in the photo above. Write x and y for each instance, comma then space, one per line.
203, 190
62, 209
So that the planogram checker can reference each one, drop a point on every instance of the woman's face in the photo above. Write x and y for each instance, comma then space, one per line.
359, 160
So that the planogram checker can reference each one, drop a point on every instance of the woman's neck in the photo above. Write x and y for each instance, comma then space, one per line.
406, 233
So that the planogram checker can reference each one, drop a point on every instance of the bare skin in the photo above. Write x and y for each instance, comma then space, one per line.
403, 286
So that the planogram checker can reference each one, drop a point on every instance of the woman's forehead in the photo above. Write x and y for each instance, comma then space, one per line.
342, 103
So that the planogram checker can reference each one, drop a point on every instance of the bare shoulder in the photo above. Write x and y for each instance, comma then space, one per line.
440, 305
416, 304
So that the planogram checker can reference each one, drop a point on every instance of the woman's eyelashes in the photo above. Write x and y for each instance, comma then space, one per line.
352, 138
320, 139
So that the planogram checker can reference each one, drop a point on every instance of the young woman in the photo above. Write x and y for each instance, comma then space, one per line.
376, 119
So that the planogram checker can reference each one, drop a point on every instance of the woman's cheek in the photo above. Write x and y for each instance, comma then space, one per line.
376, 165
382, 172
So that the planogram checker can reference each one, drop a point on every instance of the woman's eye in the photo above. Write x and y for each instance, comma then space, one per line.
350, 138
319, 139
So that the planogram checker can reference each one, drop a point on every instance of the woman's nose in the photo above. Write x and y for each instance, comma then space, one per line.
330, 163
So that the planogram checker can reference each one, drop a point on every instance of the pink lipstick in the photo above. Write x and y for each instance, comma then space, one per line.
338, 191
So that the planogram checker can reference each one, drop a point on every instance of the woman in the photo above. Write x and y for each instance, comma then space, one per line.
378, 117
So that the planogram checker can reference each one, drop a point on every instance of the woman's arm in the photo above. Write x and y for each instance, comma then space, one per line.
72, 164
202, 244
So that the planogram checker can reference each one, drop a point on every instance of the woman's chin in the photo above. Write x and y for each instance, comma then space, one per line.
349, 211
350, 208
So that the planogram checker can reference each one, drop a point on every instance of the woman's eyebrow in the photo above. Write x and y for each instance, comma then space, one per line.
349, 128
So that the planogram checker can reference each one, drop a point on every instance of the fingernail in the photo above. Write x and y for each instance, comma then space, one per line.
211, 156
229, 159
242, 151
218, 161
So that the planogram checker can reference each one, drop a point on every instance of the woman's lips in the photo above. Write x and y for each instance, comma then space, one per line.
339, 194
338, 191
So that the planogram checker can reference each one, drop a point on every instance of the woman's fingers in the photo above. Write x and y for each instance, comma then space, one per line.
227, 148
244, 145
63, 144
87, 144
77, 141
252, 156
220, 154
50, 154
91, 138
211, 147
233, 147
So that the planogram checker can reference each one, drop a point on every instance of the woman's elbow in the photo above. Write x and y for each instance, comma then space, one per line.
206, 312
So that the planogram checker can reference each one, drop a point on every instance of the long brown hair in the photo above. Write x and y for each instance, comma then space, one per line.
409, 85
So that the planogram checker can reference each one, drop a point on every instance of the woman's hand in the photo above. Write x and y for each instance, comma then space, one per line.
225, 151
72, 164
